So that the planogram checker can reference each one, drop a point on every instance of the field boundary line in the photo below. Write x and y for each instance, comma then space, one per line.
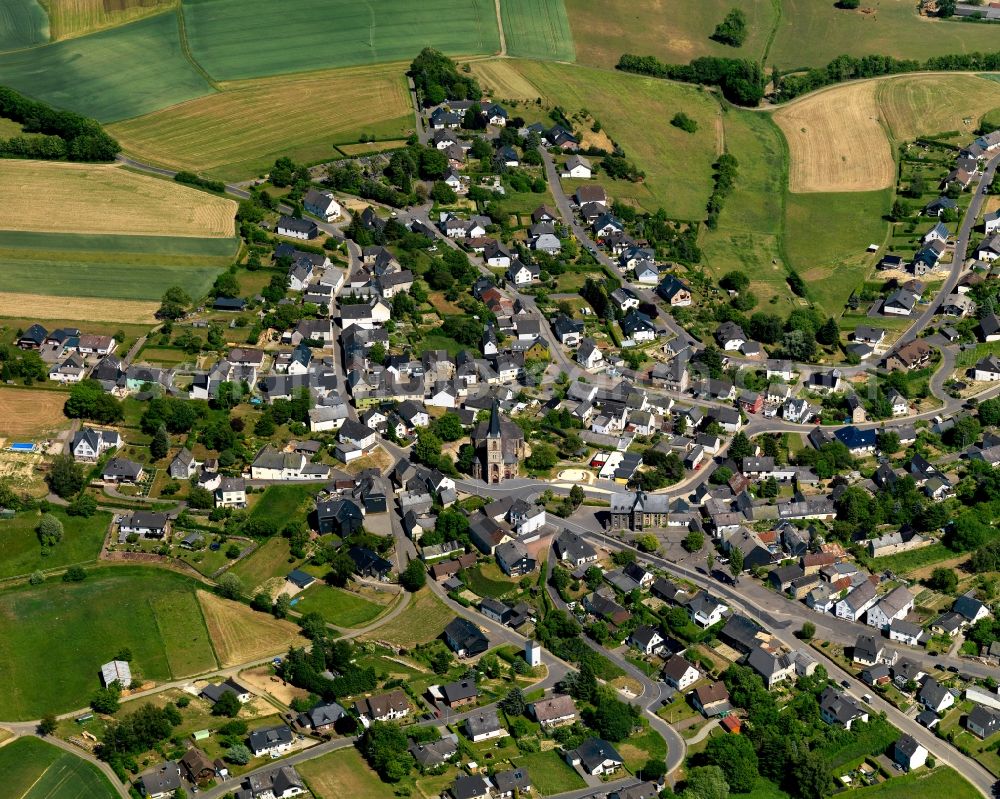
186, 49
776, 5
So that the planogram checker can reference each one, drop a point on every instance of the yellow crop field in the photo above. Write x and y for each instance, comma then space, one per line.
836, 141
239, 131
505, 80
75, 17
240, 634
928, 104
81, 309
93, 198
30, 414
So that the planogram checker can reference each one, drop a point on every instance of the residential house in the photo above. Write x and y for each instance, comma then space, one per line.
680, 673
908, 753
296, 228
894, 606
322, 204
273, 741
596, 757
554, 711
383, 707
464, 638
89, 444
484, 725
161, 782
836, 707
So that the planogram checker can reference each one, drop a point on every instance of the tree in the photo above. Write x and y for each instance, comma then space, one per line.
613, 719
105, 700
201, 499
647, 543
385, 747
50, 530
735, 755
806, 632
443, 193
693, 541
414, 576
733, 29
735, 280
721, 476
829, 332
943, 580
448, 427
542, 458
735, 563
513, 703
160, 444
341, 568
227, 705
888, 441
47, 725
706, 782
74, 574
174, 304
740, 447
261, 602
82, 505
810, 774
229, 586
238, 754
427, 450
65, 478
281, 606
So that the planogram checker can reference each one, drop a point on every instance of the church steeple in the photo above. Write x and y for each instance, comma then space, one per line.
494, 431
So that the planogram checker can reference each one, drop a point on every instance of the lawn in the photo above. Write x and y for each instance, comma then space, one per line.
341, 608
21, 553
550, 773
537, 29
130, 249
905, 561
641, 748
278, 38
635, 112
271, 559
826, 236
281, 503
87, 75
487, 580
22, 24
240, 131
33, 769
343, 773
942, 781
67, 630
423, 620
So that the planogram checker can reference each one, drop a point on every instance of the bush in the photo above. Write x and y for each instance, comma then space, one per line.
74, 574
50, 530
684, 122
733, 29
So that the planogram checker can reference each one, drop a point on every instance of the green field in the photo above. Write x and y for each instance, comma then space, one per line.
942, 781
94, 279
342, 773
281, 503
550, 773
272, 559
33, 769
65, 631
825, 240
423, 620
277, 38
537, 29
196, 249
23, 23
89, 74
487, 580
341, 608
21, 553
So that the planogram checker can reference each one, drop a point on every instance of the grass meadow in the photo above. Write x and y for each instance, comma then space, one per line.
342, 773
550, 773
67, 630
240, 131
21, 553
423, 620
34, 769
23, 23
271, 559
341, 608
89, 74
941, 781
931, 104
280, 503
537, 29
279, 38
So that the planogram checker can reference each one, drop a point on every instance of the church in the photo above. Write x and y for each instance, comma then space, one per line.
500, 447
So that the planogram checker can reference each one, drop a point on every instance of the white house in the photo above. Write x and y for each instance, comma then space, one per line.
987, 369
89, 444
596, 757
908, 753
853, 606
577, 167
272, 741
231, 493
522, 274
296, 228
322, 204
894, 606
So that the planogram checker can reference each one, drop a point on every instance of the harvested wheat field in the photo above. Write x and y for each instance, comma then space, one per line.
925, 105
241, 130
80, 309
89, 198
30, 414
76, 17
504, 80
240, 634
836, 142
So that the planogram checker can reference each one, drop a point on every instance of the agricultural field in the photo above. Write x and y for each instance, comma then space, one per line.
76, 17
21, 553
72, 198
29, 414
636, 112
240, 131
240, 634
86, 74
942, 781
279, 38
932, 104
340, 608
22, 24
34, 769
825, 132
826, 236
537, 29
675, 31
342, 773
67, 630
813, 32
423, 620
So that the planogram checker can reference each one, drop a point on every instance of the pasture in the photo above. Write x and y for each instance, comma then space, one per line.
280, 38
90, 198
282, 503
537, 29
88, 74
636, 112
342, 773
423, 620
673, 30
23, 23
30, 414
271, 559
339, 607
836, 142
67, 630
942, 781
21, 553
240, 131
813, 32
931, 104
240, 634
34, 769
76, 17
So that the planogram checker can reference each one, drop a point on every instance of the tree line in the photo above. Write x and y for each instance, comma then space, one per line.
67, 135
742, 81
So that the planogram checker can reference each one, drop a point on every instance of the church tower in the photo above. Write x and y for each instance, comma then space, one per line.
494, 447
